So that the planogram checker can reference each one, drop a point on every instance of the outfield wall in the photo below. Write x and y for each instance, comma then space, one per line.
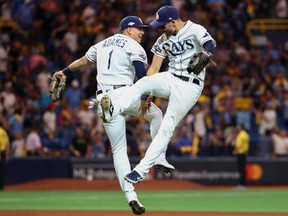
209, 171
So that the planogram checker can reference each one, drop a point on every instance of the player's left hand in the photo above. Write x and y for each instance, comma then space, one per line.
198, 62
145, 106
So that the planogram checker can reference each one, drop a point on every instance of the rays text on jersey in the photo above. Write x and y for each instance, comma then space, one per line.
179, 47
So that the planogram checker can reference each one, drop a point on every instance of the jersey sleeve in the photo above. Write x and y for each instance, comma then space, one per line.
202, 35
158, 47
137, 52
91, 54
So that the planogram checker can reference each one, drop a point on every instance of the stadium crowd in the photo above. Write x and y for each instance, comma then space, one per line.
249, 85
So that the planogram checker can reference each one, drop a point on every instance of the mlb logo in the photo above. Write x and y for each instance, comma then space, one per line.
131, 23
157, 16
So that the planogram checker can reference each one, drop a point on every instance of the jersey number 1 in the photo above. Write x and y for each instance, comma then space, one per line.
109, 60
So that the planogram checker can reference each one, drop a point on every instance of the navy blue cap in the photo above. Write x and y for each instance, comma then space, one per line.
132, 21
164, 15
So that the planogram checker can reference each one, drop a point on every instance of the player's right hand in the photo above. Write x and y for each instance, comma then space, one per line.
145, 106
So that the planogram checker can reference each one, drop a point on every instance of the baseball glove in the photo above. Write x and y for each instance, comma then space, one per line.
56, 87
198, 62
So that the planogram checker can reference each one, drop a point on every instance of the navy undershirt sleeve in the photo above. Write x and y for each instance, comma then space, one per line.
140, 72
209, 47
140, 69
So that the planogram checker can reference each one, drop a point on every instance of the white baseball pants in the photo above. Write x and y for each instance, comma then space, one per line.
116, 132
182, 97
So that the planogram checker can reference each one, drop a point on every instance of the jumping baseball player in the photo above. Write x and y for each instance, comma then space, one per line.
189, 48
118, 59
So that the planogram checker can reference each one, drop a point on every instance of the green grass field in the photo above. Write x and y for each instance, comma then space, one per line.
249, 200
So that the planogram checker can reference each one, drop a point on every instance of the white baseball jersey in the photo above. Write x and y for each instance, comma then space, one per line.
180, 48
114, 57
182, 94
107, 54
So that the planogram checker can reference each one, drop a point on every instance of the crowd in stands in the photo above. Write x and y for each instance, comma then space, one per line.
249, 85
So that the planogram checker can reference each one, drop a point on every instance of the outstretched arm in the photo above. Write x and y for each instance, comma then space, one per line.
155, 66
74, 66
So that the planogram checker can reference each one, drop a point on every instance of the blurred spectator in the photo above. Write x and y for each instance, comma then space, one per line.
4, 153
87, 117
199, 127
81, 144
4, 47
268, 119
67, 114
276, 66
16, 123
37, 63
265, 145
227, 114
73, 95
71, 38
25, 14
50, 120
98, 149
34, 97
243, 105
241, 148
199, 124
33, 143
216, 6
42, 81
184, 143
216, 143
230, 141
196, 145
281, 9
143, 137
244, 117
280, 143
6, 9
18, 148
280, 83
273, 52
66, 128
89, 15
8, 98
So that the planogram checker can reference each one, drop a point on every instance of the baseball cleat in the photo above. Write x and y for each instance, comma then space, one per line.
137, 207
164, 166
133, 177
107, 108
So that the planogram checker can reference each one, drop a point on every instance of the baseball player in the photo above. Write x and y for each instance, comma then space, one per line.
118, 59
179, 42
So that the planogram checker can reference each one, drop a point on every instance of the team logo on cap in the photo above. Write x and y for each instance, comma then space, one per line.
157, 16
131, 24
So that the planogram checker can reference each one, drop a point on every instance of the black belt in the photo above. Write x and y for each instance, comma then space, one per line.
186, 79
114, 87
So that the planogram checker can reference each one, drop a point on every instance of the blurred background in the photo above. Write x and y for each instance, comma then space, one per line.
249, 86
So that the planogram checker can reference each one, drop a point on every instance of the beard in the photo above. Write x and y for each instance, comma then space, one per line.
169, 32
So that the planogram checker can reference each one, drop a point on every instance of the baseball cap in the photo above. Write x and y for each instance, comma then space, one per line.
132, 21
164, 15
